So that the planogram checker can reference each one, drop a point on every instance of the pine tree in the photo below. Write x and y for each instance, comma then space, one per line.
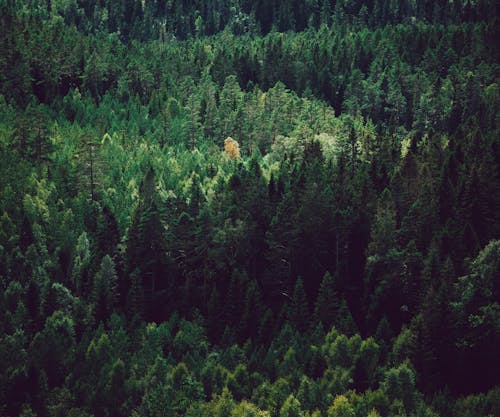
91, 165
298, 313
104, 293
148, 256
327, 304
291, 407
108, 236
345, 322
253, 311
341, 408
135, 298
115, 389
214, 315
80, 271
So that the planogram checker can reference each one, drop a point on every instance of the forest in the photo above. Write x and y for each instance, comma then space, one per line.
233, 208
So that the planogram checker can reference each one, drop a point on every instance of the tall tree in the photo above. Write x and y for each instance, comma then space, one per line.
104, 294
327, 303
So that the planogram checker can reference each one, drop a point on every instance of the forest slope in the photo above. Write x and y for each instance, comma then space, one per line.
344, 262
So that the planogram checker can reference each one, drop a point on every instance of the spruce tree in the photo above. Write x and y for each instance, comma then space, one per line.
104, 294
327, 305
298, 313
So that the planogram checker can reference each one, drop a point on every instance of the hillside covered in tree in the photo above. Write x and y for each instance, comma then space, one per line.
239, 209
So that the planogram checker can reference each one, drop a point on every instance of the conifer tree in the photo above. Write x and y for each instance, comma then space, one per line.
327, 304
91, 165
80, 271
298, 312
104, 293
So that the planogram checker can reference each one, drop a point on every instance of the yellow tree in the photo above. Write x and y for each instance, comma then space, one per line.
232, 148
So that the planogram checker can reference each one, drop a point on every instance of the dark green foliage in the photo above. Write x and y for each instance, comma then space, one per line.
104, 294
327, 303
477, 306
298, 310
344, 263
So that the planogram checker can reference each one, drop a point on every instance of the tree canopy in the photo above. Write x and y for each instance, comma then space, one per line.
235, 208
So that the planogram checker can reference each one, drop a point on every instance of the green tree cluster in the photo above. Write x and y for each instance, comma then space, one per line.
344, 262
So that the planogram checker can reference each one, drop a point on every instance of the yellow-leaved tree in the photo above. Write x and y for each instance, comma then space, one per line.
232, 147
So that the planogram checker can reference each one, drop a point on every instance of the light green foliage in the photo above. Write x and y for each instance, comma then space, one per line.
179, 374
238, 382
190, 337
36, 204
158, 337
341, 408
308, 393
218, 379
337, 380
80, 263
246, 409
158, 396
263, 396
289, 365
63, 298
99, 352
186, 389
115, 389
369, 357
481, 404
223, 405
399, 384
341, 351
144, 272
403, 346
291, 408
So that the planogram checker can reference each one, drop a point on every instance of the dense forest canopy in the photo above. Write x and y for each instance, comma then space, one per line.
234, 208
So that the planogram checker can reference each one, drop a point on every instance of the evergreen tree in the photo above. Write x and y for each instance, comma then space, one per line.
104, 293
298, 311
80, 272
149, 262
327, 305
